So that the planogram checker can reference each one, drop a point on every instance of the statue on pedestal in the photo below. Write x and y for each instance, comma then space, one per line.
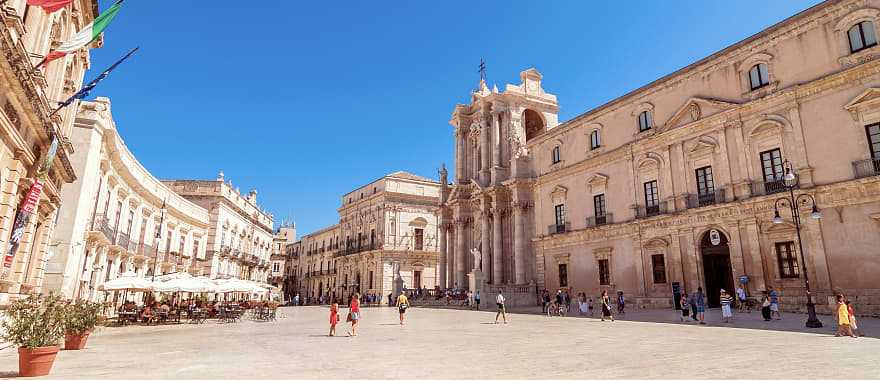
478, 259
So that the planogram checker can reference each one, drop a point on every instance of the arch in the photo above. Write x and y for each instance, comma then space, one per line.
418, 222
533, 122
650, 159
864, 14
770, 124
755, 59
656, 243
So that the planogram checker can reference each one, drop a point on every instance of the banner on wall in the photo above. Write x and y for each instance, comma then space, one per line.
27, 207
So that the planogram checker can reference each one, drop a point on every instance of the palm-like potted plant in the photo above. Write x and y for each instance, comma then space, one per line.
80, 319
36, 325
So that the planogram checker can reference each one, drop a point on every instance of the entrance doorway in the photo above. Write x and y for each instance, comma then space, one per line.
716, 266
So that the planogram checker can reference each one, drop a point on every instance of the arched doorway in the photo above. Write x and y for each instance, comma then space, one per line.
533, 123
716, 266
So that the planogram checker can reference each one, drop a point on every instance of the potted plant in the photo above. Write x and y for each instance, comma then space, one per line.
36, 325
80, 319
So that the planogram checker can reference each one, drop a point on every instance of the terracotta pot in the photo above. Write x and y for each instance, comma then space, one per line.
76, 342
37, 361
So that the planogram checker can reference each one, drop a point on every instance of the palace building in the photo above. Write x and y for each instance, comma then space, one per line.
680, 184
112, 213
28, 126
387, 232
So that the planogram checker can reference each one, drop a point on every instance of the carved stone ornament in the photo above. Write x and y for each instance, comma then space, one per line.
478, 258
516, 136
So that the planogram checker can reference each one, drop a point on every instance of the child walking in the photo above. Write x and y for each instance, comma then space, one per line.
334, 317
685, 308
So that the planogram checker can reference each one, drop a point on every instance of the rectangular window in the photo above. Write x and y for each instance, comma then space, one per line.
771, 165
563, 275
644, 121
599, 205
873, 132
559, 211
417, 279
604, 272
658, 263
419, 239
705, 183
788, 263
652, 198
556, 155
595, 140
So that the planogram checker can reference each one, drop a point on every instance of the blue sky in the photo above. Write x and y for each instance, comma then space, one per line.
305, 101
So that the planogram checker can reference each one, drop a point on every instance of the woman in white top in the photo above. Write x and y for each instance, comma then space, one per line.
499, 300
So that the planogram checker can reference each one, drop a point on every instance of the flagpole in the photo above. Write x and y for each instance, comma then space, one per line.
84, 91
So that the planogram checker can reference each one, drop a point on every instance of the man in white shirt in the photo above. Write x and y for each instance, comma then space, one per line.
499, 300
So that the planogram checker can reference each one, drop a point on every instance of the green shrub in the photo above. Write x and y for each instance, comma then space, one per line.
35, 321
81, 317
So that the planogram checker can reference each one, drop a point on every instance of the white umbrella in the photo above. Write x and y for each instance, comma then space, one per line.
232, 286
128, 281
174, 276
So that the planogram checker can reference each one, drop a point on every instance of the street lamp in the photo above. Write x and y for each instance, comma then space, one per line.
159, 238
790, 181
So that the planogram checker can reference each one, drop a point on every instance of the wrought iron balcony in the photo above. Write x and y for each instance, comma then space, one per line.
600, 220
558, 228
652, 210
102, 224
768, 187
123, 240
705, 199
866, 168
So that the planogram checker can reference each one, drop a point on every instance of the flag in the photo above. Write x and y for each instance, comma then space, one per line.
84, 91
85, 36
49, 5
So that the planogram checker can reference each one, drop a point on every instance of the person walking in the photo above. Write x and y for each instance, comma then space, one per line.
402, 305
470, 299
334, 317
502, 311
566, 297
699, 303
590, 306
477, 299
560, 300
741, 298
765, 306
582, 304
726, 300
774, 304
606, 306
853, 324
621, 303
844, 328
545, 301
354, 314
685, 308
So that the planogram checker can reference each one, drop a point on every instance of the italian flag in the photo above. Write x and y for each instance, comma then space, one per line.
85, 36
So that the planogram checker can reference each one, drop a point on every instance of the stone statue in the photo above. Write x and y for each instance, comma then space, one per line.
478, 259
517, 139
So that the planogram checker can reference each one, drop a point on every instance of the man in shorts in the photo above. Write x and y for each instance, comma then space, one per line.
499, 301
402, 305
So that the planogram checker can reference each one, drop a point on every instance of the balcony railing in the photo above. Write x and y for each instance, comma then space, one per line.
123, 240
866, 168
145, 249
768, 187
558, 228
652, 210
705, 199
600, 220
102, 224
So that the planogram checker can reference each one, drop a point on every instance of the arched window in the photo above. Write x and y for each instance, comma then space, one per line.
556, 155
758, 76
861, 36
645, 121
595, 139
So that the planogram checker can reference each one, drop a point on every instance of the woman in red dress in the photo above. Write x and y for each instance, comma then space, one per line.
334, 317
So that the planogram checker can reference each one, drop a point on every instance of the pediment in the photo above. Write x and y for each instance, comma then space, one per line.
696, 109
597, 180
869, 97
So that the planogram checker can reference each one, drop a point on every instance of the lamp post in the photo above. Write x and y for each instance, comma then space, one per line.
790, 181
159, 239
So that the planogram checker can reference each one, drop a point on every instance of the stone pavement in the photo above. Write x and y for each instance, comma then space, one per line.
447, 343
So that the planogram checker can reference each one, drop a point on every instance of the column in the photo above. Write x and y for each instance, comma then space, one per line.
484, 238
460, 253
497, 249
450, 257
496, 139
519, 256
756, 277
485, 174
459, 160
442, 269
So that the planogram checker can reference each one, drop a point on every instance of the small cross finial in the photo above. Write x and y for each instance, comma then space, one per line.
482, 70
